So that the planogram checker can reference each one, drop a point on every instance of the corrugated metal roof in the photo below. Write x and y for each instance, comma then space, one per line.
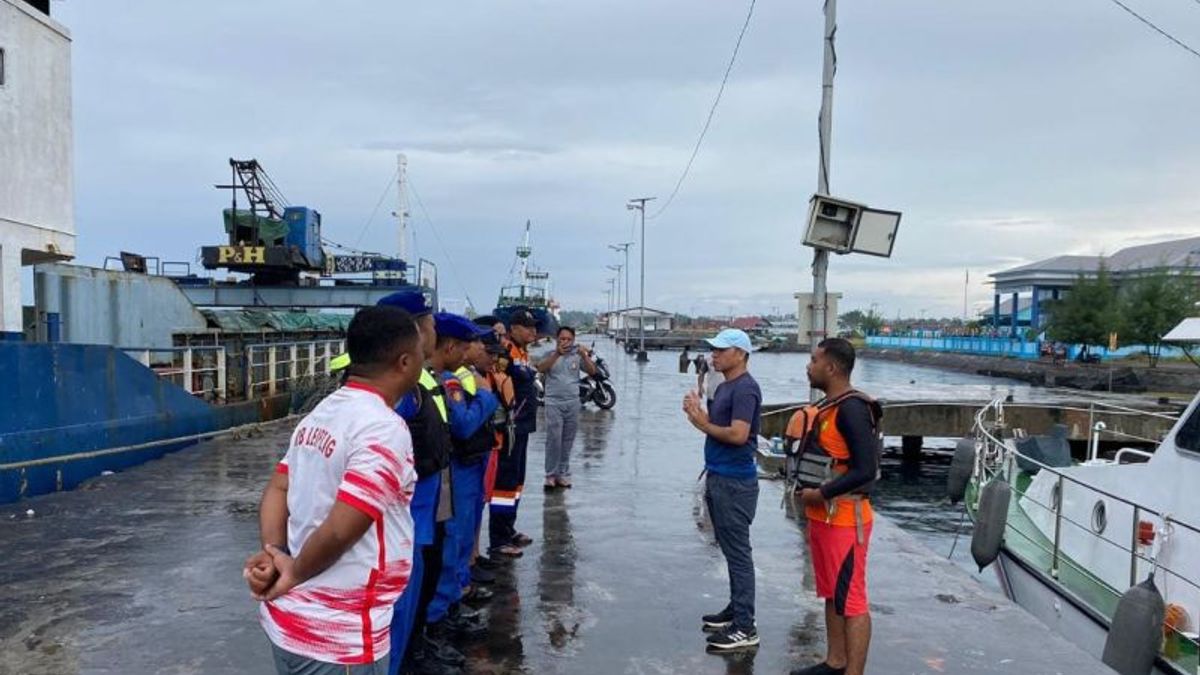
1059, 263
1177, 253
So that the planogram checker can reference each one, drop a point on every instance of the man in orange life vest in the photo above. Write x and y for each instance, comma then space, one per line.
839, 511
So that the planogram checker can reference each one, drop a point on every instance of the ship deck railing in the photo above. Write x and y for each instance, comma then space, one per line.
209, 372
200, 371
282, 366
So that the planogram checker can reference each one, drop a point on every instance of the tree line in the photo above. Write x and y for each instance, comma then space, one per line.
1098, 312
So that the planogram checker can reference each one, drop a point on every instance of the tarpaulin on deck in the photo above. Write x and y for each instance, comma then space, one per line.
256, 320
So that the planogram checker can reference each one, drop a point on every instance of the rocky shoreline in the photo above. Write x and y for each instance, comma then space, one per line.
1119, 378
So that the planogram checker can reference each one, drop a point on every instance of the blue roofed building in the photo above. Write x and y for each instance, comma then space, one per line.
1021, 293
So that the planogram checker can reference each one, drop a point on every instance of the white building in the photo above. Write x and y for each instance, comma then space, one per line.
37, 218
655, 319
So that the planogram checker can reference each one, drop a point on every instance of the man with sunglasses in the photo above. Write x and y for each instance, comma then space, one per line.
730, 426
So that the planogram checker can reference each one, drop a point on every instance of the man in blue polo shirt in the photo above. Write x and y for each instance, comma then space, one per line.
730, 427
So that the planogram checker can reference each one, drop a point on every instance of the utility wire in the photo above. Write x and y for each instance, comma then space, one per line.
712, 111
386, 189
1155, 28
441, 244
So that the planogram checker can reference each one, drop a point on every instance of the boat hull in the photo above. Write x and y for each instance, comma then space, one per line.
1038, 593
70, 412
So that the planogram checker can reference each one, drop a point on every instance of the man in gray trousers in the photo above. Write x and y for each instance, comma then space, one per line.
561, 368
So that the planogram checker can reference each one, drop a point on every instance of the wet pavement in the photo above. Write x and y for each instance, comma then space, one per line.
139, 572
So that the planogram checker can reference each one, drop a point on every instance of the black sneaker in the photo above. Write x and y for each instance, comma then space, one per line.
480, 575
733, 638
437, 647
719, 621
464, 622
821, 668
477, 597
485, 563
431, 666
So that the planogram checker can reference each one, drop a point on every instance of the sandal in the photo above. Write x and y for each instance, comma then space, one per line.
564, 483
508, 550
521, 539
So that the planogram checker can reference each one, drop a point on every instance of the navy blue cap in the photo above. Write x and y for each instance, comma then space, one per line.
458, 327
413, 302
491, 342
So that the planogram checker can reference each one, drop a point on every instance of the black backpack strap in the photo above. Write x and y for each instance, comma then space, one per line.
876, 410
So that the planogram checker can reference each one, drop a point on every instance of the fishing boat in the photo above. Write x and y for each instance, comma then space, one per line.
528, 287
1105, 551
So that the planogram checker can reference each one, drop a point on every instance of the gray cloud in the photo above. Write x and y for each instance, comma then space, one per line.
1003, 139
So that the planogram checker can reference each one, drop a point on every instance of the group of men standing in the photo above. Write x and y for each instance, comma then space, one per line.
371, 523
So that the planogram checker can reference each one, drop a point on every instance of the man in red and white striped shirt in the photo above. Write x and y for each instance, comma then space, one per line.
336, 530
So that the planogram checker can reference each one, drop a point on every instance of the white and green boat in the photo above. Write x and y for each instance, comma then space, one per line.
1070, 539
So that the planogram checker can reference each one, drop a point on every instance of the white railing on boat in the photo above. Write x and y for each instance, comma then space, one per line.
995, 457
999, 457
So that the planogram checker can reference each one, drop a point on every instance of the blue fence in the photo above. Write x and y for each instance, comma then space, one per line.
988, 346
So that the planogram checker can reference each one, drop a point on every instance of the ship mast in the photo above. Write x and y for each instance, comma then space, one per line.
523, 253
402, 206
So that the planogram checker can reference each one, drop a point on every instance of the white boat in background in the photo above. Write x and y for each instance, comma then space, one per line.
1072, 540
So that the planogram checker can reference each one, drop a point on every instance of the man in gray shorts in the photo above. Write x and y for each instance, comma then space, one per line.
561, 368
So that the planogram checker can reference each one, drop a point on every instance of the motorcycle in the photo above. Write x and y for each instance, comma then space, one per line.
596, 388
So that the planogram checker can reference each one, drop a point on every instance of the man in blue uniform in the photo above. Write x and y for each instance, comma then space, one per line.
424, 409
470, 405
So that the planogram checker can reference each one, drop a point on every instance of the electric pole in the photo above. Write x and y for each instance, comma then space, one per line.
640, 204
820, 266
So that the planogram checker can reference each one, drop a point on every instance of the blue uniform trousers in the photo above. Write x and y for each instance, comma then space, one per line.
466, 482
424, 511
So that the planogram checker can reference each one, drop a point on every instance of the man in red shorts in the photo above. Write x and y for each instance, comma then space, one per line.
839, 511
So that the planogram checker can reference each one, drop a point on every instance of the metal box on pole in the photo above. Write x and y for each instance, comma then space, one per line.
843, 226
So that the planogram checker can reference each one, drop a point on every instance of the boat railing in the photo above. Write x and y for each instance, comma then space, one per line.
1098, 408
997, 458
201, 371
282, 366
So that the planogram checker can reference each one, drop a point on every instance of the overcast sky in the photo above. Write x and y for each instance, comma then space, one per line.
1005, 131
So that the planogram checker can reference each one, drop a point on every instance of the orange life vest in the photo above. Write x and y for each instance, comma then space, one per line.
812, 436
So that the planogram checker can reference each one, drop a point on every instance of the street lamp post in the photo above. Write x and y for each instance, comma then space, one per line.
623, 247
616, 298
640, 204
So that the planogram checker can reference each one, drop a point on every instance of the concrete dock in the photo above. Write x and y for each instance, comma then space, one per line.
139, 572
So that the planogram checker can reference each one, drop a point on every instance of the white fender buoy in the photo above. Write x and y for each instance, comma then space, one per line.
990, 521
961, 467
1136, 632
